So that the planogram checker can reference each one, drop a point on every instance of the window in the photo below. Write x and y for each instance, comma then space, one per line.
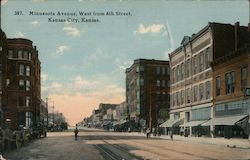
195, 93
10, 54
187, 67
27, 102
230, 82
201, 61
163, 83
158, 83
27, 85
168, 83
7, 82
178, 73
208, 57
141, 68
178, 98
25, 55
21, 84
195, 64
173, 75
29, 56
1, 49
201, 91
142, 81
188, 95
182, 97
173, 99
208, 89
21, 69
163, 70
20, 54
27, 70
21, 101
182, 71
217, 86
243, 78
158, 70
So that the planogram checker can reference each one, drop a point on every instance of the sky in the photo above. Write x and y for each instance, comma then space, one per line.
83, 64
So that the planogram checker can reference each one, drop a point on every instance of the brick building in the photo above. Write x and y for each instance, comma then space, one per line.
192, 75
231, 74
20, 82
147, 92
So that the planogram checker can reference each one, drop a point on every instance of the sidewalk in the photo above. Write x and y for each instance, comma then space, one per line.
233, 142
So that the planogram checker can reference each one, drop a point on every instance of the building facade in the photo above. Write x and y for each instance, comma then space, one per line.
231, 74
192, 75
20, 83
147, 92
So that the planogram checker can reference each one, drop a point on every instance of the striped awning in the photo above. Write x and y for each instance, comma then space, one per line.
193, 123
171, 123
226, 121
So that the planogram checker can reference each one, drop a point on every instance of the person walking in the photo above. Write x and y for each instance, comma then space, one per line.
76, 132
148, 132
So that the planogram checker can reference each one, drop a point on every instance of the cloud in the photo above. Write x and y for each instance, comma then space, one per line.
44, 76
154, 28
71, 31
19, 35
3, 2
61, 49
35, 23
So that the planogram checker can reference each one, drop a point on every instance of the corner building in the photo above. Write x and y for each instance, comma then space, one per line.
21, 87
147, 93
192, 75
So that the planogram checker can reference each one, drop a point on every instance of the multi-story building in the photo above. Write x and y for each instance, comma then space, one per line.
20, 82
121, 112
231, 102
191, 72
147, 92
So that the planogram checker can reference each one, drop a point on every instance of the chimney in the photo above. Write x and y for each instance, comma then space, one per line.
236, 28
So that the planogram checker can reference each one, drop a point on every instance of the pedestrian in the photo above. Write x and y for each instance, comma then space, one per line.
148, 132
76, 132
171, 135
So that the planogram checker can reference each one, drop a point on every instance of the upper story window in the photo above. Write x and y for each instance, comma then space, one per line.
178, 73
142, 82
188, 95
218, 85
178, 98
201, 87
182, 97
7, 82
158, 83
20, 54
182, 71
163, 70
230, 82
208, 57
141, 68
195, 93
27, 103
208, 89
29, 56
201, 62
10, 54
27, 70
25, 55
21, 84
243, 78
27, 85
21, 69
1, 48
188, 68
163, 83
173, 75
158, 70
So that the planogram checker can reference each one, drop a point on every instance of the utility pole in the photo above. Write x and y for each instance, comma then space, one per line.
47, 112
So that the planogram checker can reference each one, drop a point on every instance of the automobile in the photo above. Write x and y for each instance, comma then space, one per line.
39, 131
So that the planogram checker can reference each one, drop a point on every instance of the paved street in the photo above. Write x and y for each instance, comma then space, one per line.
95, 144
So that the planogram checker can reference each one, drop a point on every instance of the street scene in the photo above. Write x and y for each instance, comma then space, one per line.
124, 80
98, 144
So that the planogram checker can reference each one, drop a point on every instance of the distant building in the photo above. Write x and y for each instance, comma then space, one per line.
121, 112
147, 92
20, 81
43, 117
192, 75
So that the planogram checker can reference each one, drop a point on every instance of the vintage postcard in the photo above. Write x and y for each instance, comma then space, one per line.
124, 79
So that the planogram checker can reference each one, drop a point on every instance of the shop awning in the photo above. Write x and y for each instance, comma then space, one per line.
171, 123
227, 121
193, 123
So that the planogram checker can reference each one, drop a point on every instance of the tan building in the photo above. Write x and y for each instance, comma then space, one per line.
192, 75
